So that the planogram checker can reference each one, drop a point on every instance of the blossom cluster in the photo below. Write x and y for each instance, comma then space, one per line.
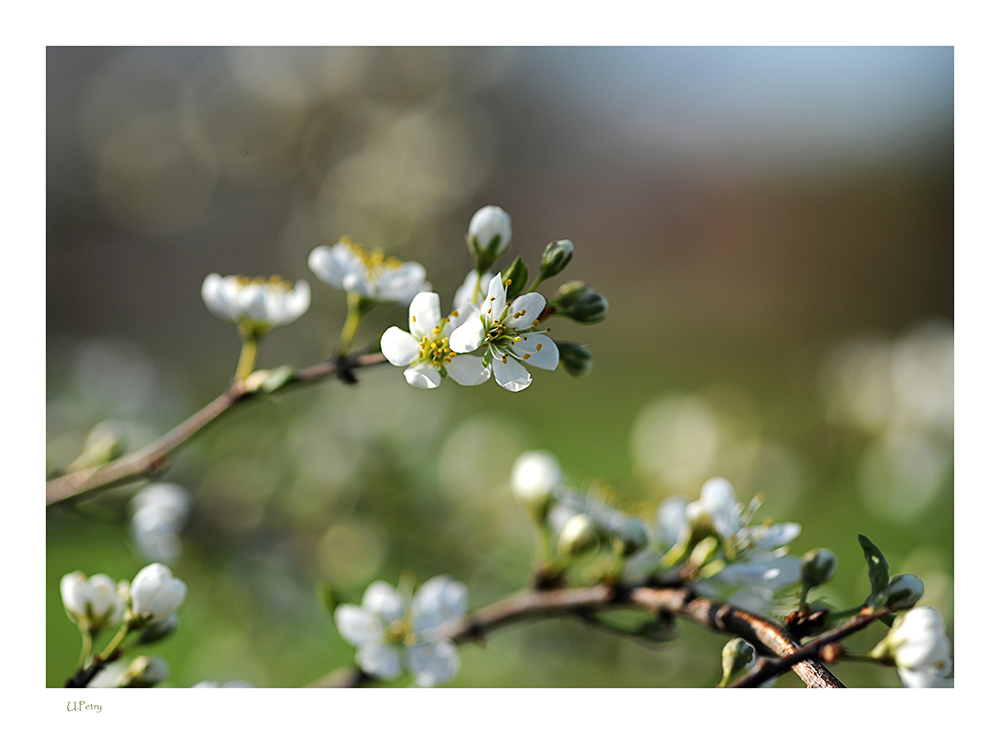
489, 310
148, 605
713, 545
395, 631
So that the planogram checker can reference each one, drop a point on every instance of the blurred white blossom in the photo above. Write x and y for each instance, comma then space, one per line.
159, 511
393, 632
371, 275
255, 305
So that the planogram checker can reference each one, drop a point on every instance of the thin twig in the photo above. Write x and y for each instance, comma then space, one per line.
770, 668
153, 458
541, 604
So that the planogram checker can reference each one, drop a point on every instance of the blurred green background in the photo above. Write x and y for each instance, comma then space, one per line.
773, 228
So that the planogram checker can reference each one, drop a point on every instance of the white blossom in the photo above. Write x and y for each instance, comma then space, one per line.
393, 632
426, 351
155, 592
920, 648
159, 511
255, 305
753, 565
371, 275
508, 330
94, 601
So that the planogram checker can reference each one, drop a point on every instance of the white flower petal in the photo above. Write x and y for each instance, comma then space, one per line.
401, 283
495, 301
218, 296
252, 300
73, 588
930, 677
359, 283
467, 293
328, 268
357, 625
425, 314
719, 500
531, 304
777, 535
380, 661
468, 337
511, 375
433, 664
467, 370
292, 304
400, 348
384, 601
423, 375
538, 351
671, 521
440, 601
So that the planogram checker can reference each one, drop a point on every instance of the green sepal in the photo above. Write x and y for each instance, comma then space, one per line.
517, 274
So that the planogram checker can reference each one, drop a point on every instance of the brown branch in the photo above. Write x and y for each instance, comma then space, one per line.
770, 668
154, 458
542, 604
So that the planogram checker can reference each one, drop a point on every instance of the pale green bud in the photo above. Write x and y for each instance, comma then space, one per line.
145, 672
818, 567
103, 444
515, 278
575, 358
578, 536
580, 302
159, 630
905, 591
736, 655
555, 258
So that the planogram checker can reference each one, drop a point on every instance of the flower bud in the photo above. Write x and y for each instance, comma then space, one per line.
489, 236
92, 602
631, 537
533, 479
579, 536
736, 655
159, 630
575, 358
515, 277
818, 567
580, 302
905, 591
555, 258
145, 672
155, 593
103, 444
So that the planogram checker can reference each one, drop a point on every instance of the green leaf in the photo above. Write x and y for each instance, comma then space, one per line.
878, 573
